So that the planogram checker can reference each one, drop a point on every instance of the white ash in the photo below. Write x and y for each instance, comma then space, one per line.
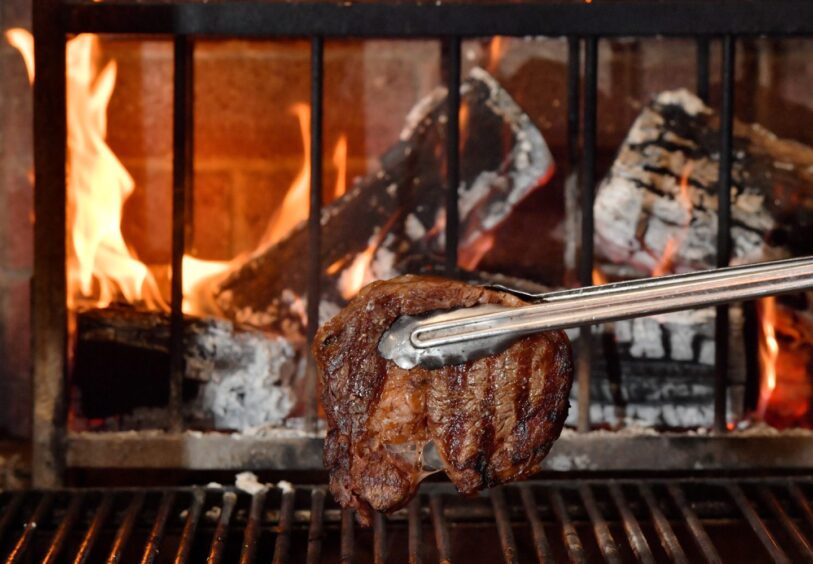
255, 393
248, 482
414, 228
685, 99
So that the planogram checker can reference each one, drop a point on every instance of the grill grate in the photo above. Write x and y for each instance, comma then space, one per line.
716, 520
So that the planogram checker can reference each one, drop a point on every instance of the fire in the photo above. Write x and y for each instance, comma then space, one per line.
664, 264
768, 352
340, 162
101, 266
598, 277
495, 52
358, 274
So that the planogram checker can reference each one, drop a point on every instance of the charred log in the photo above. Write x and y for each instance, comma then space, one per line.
398, 213
236, 378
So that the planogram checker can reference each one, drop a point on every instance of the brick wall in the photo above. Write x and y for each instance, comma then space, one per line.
248, 147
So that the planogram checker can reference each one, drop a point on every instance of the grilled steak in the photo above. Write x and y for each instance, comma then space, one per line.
492, 420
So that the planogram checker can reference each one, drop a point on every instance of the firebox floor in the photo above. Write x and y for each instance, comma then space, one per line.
766, 519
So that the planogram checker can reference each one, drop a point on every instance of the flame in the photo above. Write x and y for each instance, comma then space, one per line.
665, 262
340, 162
358, 274
598, 277
768, 352
495, 52
101, 267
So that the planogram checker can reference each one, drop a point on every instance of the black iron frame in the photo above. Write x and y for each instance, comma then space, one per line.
583, 23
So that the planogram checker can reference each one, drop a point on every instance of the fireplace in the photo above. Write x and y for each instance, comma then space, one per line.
205, 370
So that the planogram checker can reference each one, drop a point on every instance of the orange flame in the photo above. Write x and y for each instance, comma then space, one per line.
598, 277
768, 352
101, 267
665, 262
495, 52
340, 162
358, 274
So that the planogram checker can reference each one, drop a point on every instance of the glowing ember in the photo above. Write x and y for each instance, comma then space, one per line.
495, 52
665, 262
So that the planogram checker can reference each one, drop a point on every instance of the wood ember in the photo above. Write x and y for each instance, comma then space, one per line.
639, 209
398, 213
237, 378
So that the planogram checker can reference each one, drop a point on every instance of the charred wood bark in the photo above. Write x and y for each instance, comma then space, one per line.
398, 213
235, 377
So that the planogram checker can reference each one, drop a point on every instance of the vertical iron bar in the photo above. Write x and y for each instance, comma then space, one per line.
126, 527
757, 525
49, 313
65, 526
702, 58
415, 531
191, 525
451, 67
441, 530
182, 178
666, 535
102, 511
588, 181
541, 544
347, 536
286, 522
724, 231
153, 545
600, 528
314, 289
573, 99
222, 529
570, 536
509, 547
316, 526
18, 552
793, 531
251, 535
631, 526
695, 526
380, 538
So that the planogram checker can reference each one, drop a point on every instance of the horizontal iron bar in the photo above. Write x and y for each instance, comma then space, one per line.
600, 451
442, 19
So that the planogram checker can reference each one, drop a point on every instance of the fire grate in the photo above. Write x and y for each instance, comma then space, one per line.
681, 520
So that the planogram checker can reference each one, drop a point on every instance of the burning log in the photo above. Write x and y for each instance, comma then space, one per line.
388, 218
236, 378
655, 213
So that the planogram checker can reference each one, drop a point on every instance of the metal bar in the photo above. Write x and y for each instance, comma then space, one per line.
10, 512
588, 181
470, 19
126, 527
347, 536
602, 532
65, 525
757, 525
503, 519
793, 531
415, 532
92, 534
379, 538
222, 529
441, 529
541, 544
315, 533
18, 552
573, 99
570, 536
182, 178
631, 527
702, 68
314, 290
251, 535
49, 313
800, 500
698, 532
451, 64
721, 324
282, 546
666, 535
190, 526
153, 545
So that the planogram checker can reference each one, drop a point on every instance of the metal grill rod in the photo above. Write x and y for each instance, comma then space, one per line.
222, 529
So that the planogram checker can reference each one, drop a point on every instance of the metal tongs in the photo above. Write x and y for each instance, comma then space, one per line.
461, 335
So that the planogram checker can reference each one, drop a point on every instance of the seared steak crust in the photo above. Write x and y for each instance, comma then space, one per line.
492, 420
